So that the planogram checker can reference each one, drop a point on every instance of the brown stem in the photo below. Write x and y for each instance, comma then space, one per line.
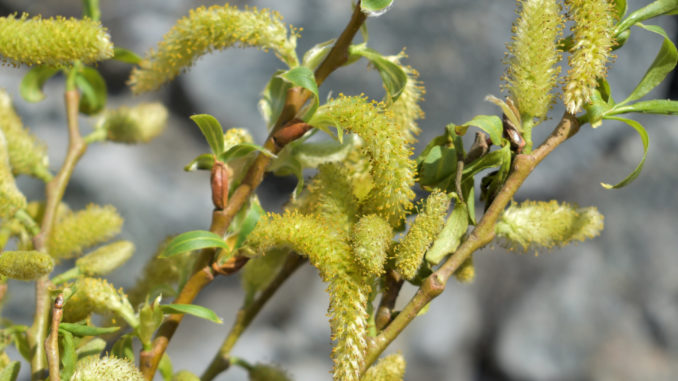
52, 341
481, 235
246, 314
54, 192
392, 286
295, 99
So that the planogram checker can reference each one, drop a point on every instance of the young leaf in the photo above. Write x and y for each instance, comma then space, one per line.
314, 56
492, 159
655, 106
620, 7
123, 348
643, 136
193, 240
82, 330
659, 7
203, 161
212, 130
10, 372
127, 56
33, 82
242, 149
191, 309
273, 98
254, 212
91, 9
303, 77
663, 64
375, 8
68, 357
93, 88
392, 74
438, 168
450, 237
165, 367
488, 123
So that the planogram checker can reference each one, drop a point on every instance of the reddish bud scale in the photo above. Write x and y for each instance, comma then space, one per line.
220, 180
291, 131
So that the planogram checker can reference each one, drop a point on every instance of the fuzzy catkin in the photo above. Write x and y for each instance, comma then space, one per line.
99, 296
535, 224
138, 124
105, 259
107, 368
11, 198
25, 265
329, 251
405, 111
426, 226
207, 29
370, 239
389, 368
593, 40
54, 42
385, 144
532, 72
27, 156
83, 229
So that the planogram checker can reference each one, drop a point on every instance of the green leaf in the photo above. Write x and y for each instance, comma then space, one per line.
439, 168
242, 149
68, 357
597, 109
203, 161
212, 130
620, 8
193, 240
643, 136
273, 98
489, 123
81, 330
450, 237
191, 309
375, 7
22, 346
493, 159
93, 90
90, 9
655, 106
33, 82
392, 75
127, 56
93, 347
254, 212
492, 183
10, 372
659, 7
663, 64
303, 77
165, 367
314, 56
123, 348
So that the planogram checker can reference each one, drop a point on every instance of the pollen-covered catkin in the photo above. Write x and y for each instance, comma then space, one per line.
385, 144
389, 368
593, 40
405, 111
11, 198
209, 29
107, 368
138, 124
53, 42
532, 70
426, 226
370, 238
83, 229
330, 195
535, 224
97, 295
27, 156
466, 272
105, 259
25, 265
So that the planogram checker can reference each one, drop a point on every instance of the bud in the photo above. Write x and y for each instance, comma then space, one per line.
83, 229
389, 368
53, 42
220, 179
370, 240
105, 259
262, 372
106, 368
27, 156
25, 265
466, 272
11, 199
139, 124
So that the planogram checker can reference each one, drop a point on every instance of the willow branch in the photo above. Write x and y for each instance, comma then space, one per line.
52, 342
483, 233
54, 192
295, 100
392, 286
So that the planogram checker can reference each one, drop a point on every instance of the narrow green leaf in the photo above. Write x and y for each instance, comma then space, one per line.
659, 7
90, 9
242, 149
68, 357
191, 309
10, 372
655, 106
254, 212
33, 82
127, 56
450, 237
93, 90
392, 75
314, 56
303, 77
375, 7
273, 98
193, 240
93, 347
663, 64
489, 123
438, 168
212, 130
165, 367
81, 330
123, 348
204, 161
643, 136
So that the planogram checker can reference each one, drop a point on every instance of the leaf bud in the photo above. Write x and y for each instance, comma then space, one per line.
105, 259
220, 179
25, 265
139, 124
466, 272
107, 368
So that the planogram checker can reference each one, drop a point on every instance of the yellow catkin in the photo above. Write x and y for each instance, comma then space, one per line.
466, 272
405, 111
426, 226
138, 124
535, 224
385, 144
263, 372
25, 265
27, 156
207, 29
107, 368
99, 296
532, 72
329, 251
105, 259
370, 239
593, 40
11, 198
389, 368
85, 228
54, 42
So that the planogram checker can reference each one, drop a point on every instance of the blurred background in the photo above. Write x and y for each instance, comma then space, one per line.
605, 309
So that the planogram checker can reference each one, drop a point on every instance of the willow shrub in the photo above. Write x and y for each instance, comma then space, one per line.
350, 221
